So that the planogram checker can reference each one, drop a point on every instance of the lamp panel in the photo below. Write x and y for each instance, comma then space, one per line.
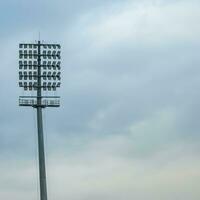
50, 63
29, 46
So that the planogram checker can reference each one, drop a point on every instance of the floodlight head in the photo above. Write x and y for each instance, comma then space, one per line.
39, 67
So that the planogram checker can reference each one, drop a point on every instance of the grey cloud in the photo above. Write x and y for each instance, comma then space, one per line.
45, 16
125, 98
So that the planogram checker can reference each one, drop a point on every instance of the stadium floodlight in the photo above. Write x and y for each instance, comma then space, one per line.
39, 70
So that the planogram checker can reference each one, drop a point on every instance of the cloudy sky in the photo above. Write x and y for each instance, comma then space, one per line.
128, 126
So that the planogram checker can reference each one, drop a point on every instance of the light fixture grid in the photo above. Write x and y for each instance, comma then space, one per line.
47, 58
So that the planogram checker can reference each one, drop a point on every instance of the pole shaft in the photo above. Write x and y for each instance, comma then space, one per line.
42, 170
41, 153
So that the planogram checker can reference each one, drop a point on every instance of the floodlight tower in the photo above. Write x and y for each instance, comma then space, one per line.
39, 70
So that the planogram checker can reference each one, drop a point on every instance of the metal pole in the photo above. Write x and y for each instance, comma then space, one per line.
42, 170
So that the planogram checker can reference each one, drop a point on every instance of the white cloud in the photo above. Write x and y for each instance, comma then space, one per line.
97, 172
146, 23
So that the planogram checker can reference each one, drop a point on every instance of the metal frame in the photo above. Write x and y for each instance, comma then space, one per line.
38, 76
36, 80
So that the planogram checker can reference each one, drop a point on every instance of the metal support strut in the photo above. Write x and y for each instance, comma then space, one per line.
42, 170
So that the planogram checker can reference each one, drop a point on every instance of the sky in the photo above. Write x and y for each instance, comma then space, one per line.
128, 126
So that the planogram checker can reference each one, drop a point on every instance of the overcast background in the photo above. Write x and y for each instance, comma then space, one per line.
128, 125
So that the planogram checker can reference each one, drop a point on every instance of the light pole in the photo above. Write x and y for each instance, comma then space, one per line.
39, 70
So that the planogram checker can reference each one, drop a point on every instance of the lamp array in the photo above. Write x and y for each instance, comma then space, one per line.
34, 86
35, 46
50, 80
32, 75
49, 65
47, 51
30, 64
